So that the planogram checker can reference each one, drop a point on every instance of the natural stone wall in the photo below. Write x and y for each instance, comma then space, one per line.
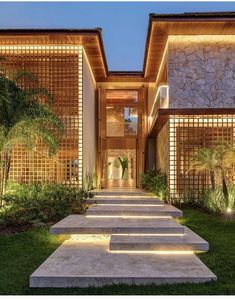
201, 72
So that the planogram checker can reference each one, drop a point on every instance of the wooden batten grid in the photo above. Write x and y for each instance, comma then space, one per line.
59, 69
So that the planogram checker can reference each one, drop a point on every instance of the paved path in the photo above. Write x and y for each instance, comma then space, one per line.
127, 236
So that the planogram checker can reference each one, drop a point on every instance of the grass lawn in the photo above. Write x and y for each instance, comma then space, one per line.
22, 253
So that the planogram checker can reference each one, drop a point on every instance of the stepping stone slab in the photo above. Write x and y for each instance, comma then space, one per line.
79, 224
125, 200
82, 264
189, 241
147, 211
120, 192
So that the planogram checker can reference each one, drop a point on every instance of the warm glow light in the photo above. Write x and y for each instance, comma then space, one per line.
148, 234
157, 99
152, 252
80, 120
229, 210
150, 205
131, 217
126, 197
201, 38
89, 66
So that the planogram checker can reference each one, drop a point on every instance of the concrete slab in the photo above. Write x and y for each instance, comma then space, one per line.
166, 210
79, 224
120, 191
189, 241
125, 200
81, 264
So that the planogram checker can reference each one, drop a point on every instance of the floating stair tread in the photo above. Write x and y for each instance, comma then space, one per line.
166, 210
79, 224
76, 264
189, 241
127, 200
120, 192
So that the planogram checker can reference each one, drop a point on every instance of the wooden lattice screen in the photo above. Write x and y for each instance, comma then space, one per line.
59, 69
187, 135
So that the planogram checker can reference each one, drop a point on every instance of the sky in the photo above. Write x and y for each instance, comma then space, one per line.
124, 24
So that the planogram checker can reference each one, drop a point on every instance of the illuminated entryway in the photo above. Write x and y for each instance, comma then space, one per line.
121, 166
121, 145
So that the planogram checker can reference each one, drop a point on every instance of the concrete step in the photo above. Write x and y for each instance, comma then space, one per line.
121, 192
189, 241
127, 200
79, 224
86, 264
137, 211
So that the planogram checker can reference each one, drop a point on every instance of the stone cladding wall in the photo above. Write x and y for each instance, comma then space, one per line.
201, 73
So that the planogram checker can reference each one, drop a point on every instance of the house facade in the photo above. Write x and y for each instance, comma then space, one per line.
120, 124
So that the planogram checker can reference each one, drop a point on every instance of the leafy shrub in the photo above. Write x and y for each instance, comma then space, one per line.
90, 181
215, 202
209, 200
155, 182
38, 204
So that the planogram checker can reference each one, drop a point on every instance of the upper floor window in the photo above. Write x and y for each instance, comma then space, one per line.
121, 113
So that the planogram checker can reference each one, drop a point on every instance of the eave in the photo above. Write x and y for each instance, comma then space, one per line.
163, 116
162, 26
91, 39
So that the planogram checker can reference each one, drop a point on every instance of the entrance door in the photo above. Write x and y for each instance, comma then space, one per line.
121, 168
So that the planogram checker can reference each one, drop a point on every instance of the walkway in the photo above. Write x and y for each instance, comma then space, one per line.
126, 236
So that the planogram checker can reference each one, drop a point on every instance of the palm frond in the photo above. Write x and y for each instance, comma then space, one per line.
33, 94
24, 74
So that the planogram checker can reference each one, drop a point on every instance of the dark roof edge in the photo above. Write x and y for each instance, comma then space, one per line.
126, 73
197, 15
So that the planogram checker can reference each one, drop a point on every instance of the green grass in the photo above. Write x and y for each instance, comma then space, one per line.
22, 253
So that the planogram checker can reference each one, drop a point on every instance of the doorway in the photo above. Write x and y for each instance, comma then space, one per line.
121, 168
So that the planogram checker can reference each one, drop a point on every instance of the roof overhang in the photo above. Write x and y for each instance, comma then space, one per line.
163, 116
162, 26
90, 39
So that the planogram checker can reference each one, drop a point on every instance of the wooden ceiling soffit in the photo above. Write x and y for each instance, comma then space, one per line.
159, 30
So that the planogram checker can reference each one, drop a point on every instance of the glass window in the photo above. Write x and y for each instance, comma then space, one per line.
121, 113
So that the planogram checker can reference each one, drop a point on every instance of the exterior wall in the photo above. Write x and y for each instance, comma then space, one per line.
89, 120
162, 150
201, 71
58, 68
187, 135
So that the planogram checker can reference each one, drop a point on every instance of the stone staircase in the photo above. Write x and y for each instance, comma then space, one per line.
126, 236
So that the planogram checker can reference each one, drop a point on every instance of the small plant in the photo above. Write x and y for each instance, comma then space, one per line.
155, 181
214, 201
90, 181
38, 204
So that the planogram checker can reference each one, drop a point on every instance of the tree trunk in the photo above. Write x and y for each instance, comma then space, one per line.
212, 176
225, 188
5, 173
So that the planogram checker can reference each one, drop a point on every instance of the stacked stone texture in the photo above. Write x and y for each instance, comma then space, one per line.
201, 75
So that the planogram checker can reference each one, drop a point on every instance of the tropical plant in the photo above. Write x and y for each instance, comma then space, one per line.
38, 204
220, 159
24, 119
225, 156
90, 181
156, 182
205, 160
124, 164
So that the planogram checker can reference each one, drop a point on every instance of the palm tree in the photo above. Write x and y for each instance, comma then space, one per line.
23, 119
124, 163
225, 156
205, 160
